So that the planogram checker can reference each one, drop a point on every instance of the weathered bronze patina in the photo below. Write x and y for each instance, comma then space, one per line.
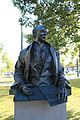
39, 74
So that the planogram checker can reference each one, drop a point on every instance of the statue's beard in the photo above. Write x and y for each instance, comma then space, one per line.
41, 38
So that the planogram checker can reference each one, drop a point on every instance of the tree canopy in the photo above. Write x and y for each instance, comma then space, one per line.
61, 17
5, 60
1, 48
8, 62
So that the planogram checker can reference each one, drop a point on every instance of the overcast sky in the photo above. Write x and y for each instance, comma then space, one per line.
10, 28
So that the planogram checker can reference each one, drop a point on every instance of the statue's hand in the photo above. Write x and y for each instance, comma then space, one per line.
62, 95
26, 90
22, 88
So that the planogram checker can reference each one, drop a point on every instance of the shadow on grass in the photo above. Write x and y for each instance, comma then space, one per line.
4, 91
75, 83
10, 118
73, 115
2, 96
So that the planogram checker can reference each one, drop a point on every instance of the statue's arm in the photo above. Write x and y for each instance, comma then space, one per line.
20, 82
63, 83
19, 72
21, 65
61, 76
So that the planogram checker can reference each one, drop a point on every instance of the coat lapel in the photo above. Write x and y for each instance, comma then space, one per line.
55, 63
27, 62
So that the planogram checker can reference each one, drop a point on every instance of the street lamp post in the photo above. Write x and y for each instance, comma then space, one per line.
21, 37
77, 67
21, 24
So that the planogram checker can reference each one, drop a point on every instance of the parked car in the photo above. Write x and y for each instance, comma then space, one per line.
72, 72
8, 74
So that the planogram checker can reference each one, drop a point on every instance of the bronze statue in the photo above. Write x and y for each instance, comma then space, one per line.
39, 74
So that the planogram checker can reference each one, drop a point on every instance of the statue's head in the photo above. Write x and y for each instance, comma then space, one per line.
39, 32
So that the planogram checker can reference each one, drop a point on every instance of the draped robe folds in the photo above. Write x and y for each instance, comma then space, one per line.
48, 93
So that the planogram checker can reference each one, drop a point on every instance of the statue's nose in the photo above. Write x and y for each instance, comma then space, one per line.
43, 33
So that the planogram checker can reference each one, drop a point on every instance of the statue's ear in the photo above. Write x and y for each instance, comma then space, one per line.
34, 35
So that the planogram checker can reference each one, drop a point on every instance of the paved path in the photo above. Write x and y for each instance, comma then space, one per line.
6, 84
72, 77
10, 83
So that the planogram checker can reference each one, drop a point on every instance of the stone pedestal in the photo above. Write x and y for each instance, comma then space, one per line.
39, 110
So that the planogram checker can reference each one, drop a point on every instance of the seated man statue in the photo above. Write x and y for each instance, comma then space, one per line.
38, 69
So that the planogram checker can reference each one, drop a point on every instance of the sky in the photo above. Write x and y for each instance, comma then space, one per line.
10, 30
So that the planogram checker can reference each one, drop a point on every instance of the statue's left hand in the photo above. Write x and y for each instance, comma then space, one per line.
62, 95
26, 90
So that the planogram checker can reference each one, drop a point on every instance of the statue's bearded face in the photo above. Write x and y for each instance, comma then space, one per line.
41, 34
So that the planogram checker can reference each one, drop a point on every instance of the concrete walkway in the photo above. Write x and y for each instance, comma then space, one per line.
10, 83
71, 77
6, 84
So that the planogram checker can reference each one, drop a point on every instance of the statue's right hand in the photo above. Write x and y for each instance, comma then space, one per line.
62, 94
26, 90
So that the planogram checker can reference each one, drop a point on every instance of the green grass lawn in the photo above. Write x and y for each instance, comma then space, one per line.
6, 104
73, 104
4, 79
